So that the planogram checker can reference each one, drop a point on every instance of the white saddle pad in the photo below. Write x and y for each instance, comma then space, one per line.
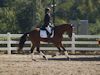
43, 34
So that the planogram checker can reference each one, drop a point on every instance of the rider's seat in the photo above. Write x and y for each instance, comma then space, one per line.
45, 30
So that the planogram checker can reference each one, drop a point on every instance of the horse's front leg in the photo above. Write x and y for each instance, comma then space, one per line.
65, 52
41, 53
57, 53
32, 53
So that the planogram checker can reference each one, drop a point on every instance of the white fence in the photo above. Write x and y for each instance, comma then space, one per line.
77, 42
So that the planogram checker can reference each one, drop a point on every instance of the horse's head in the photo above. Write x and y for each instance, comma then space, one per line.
70, 30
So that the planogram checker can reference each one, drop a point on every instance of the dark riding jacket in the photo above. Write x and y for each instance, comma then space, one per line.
47, 19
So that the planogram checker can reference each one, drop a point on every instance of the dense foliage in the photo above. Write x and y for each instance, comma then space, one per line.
20, 16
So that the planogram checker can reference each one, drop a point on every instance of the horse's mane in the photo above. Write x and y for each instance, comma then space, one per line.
62, 26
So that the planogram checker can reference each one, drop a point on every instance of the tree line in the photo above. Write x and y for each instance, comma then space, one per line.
20, 16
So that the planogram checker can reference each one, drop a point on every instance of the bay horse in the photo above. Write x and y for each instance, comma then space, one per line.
56, 40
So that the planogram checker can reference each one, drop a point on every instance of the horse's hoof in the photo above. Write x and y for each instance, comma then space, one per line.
45, 57
34, 60
53, 55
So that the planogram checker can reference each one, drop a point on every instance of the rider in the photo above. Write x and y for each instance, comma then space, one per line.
47, 21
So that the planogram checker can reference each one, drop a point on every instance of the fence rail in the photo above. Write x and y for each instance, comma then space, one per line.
89, 43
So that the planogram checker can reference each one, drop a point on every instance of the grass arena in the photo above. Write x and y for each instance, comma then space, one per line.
59, 65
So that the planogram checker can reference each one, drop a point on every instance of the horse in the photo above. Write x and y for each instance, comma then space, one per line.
35, 38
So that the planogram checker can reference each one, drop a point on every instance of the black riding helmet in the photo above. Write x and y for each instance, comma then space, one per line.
47, 9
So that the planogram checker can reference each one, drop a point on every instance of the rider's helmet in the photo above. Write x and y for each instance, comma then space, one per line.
47, 9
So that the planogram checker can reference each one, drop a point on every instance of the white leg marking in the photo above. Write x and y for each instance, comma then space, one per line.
66, 54
43, 55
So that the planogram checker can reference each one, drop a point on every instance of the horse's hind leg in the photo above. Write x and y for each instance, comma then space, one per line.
32, 53
41, 53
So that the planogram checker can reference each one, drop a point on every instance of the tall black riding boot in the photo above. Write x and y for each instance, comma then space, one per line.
48, 35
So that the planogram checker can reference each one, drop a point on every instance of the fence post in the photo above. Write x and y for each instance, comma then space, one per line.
73, 43
9, 43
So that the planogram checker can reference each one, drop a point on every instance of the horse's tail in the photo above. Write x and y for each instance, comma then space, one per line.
22, 41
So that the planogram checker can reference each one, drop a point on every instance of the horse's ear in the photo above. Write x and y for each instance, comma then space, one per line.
72, 25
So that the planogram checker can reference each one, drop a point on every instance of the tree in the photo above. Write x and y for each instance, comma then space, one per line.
3, 3
22, 15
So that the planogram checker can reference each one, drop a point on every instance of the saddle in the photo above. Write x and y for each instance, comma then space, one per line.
45, 32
